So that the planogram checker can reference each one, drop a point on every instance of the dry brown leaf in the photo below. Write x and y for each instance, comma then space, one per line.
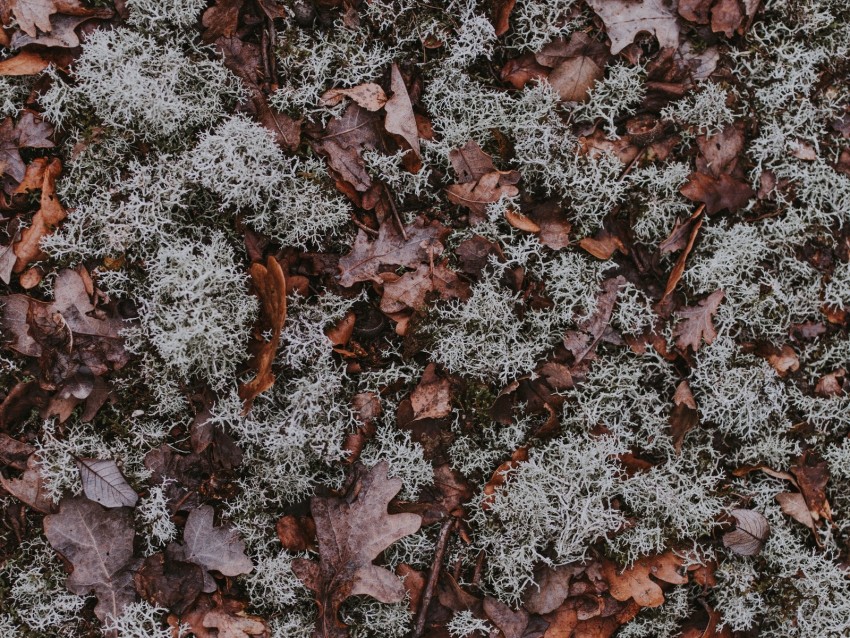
831, 384
103, 483
62, 32
235, 625
794, 505
488, 189
411, 289
213, 548
390, 248
520, 221
432, 397
749, 536
28, 249
470, 162
695, 10
511, 623
501, 15
574, 77
172, 584
99, 544
784, 360
684, 416
31, 131
370, 96
520, 71
717, 193
554, 227
296, 533
552, 587
726, 17
635, 582
351, 533
25, 63
34, 15
603, 246
221, 19
695, 325
270, 284
500, 476
696, 221
400, 121
812, 475
624, 19
29, 488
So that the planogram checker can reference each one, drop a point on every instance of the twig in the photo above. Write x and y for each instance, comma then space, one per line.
428, 594
395, 213
364, 227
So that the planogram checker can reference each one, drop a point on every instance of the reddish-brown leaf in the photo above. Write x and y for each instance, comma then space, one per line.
488, 189
695, 325
717, 193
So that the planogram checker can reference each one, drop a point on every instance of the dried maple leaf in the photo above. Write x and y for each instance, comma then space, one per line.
351, 533
696, 325
99, 544
270, 284
400, 121
390, 248
103, 483
213, 548
624, 19
749, 536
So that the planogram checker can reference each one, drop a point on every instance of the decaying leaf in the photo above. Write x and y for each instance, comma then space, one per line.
31, 131
432, 398
470, 162
401, 122
29, 488
351, 533
99, 544
635, 582
270, 284
62, 32
695, 325
411, 289
717, 193
34, 15
488, 189
812, 474
213, 548
50, 213
103, 483
172, 584
749, 536
624, 19
390, 248
684, 416
235, 625
574, 77
221, 19
794, 505
370, 96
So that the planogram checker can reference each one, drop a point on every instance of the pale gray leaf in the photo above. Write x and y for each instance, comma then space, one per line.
749, 537
103, 483
214, 548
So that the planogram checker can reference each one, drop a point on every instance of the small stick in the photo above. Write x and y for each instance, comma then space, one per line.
395, 213
364, 227
479, 568
428, 594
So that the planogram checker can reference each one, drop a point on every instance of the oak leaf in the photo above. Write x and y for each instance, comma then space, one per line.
103, 483
624, 19
412, 288
62, 32
30, 131
352, 532
213, 548
390, 248
470, 162
488, 189
99, 544
749, 536
34, 15
696, 325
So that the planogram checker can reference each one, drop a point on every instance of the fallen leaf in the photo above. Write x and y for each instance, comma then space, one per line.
522, 70
749, 536
370, 96
25, 63
286, 130
296, 533
695, 325
99, 544
172, 584
30, 131
213, 548
62, 32
351, 533
784, 360
717, 193
634, 582
520, 221
684, 416
696, 221
51, 212
794, 505
695, 10
34, 15
103, 483
400, 121
488, 189
812, 474
511, 623
554, 226
270, 284
500, 476
574, 77
582, 342
238, 625
221, 19
390, 248
551, 587
624, 19
501, 15
470, 162
432, 397
726, 17
29, 488
831, 384
412, 288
